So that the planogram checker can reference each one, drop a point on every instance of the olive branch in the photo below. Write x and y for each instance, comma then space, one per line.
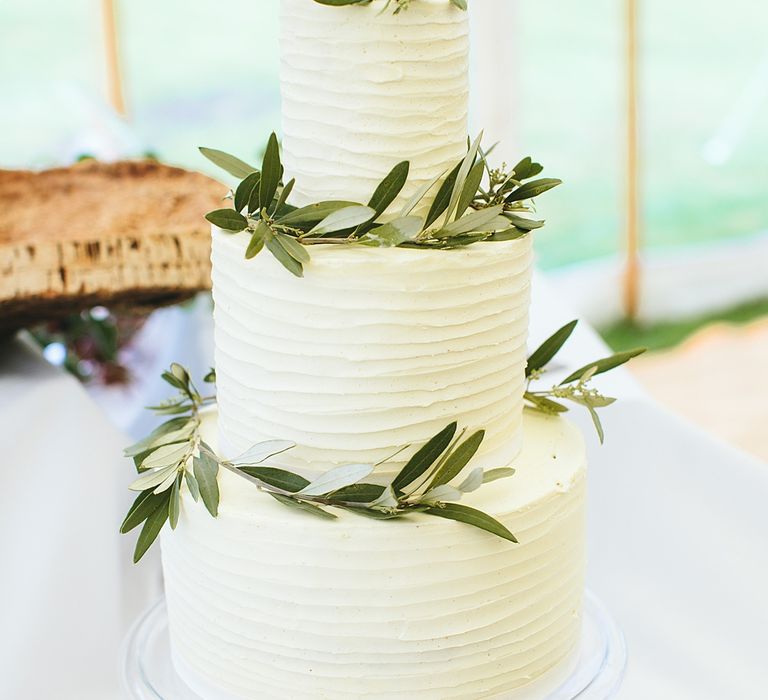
472, 203
174, 455
576, 387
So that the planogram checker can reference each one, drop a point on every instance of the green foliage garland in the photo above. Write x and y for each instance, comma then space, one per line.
174, 456
473, 203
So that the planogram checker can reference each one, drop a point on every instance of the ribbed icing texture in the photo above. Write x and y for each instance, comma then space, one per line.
372, 350
363, 90
265, 602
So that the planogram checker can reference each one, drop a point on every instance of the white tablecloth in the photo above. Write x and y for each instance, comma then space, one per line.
677, 533
678, 523
68, 589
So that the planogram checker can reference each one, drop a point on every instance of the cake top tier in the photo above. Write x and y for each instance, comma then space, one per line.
364, 89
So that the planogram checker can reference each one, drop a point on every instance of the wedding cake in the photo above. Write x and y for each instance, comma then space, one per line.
382, 335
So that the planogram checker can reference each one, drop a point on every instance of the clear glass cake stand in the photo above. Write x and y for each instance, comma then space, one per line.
595, 672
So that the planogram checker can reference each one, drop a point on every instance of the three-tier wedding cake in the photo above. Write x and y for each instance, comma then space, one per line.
359, 357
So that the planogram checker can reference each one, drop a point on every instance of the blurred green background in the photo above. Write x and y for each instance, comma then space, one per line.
206, 73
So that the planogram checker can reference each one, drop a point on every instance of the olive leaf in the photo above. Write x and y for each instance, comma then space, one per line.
279, 250
206, 471
471, 185
261, 451
174, 503
285, 192
313, 213
510, 234
168, 482
495, 474
473, 481
461, 177
526, 169
194, 489
172, 408
228, 220
279, 478
424, 458
545, 404
145, 504
359, 493
258, 239
604, 365
470, 516
234, 166
158, 436
387, 499
389, 188
271, 172
336, 479
165, 455
342, 219
244, 192
533, 189
441, 493
152, 527
542, 356
297, 251
522, 222
597, 423
458, 459
303, 506
422, 192
153, 478
476, 221
395, 232
372, 513
443, 197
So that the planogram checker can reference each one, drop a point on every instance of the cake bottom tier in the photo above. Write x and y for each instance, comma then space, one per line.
266, 602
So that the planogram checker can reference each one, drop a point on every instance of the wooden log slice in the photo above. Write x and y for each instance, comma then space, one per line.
128, 234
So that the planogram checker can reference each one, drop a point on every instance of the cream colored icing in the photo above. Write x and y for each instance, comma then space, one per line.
265, 602
364, 89
372, 350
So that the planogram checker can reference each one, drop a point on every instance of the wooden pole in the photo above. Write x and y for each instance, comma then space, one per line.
632, 271
112, 57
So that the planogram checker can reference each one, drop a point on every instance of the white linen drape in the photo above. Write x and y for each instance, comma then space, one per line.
68, 589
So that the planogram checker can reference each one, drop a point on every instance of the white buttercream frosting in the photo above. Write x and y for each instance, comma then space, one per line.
265, 602
364, 89
374, 349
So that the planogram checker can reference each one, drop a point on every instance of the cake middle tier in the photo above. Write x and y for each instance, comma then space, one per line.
363, 89
374, 349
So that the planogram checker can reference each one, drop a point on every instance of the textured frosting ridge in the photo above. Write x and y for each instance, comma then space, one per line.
372, 350
266, 603
363, 90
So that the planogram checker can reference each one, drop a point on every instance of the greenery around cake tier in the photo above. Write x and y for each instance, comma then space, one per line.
399, 5
473, 202
175, 456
